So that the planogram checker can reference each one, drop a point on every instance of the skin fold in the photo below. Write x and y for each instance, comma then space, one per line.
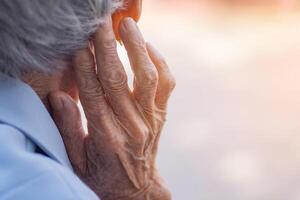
116, 158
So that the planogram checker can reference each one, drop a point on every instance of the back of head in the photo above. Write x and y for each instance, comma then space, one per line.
42, 35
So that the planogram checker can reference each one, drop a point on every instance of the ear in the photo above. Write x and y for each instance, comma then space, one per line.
131, 8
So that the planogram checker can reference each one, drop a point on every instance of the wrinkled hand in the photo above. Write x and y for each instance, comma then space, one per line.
117, 156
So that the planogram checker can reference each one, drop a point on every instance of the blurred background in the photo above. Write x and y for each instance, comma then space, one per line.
233, 131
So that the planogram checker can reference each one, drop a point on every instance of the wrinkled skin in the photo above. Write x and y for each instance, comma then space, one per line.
116, 158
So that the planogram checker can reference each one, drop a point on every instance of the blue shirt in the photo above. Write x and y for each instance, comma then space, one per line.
25, 127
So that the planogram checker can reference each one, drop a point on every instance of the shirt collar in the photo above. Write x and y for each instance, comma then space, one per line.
22, 108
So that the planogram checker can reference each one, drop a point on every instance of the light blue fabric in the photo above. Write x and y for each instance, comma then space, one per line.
25, 174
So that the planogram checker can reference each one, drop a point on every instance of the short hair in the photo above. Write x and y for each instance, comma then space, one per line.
42, 35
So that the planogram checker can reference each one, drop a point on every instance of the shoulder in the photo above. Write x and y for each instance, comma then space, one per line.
27, 175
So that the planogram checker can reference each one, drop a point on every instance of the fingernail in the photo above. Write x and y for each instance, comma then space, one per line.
56, 102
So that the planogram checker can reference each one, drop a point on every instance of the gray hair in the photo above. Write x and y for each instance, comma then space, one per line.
42, 35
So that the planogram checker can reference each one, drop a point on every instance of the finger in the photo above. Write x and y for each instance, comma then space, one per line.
132, 8
67, 118
146, 76
165, 87
111, 73
167, 81
90, 91
110, 69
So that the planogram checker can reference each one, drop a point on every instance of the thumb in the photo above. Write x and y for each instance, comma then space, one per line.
67, 117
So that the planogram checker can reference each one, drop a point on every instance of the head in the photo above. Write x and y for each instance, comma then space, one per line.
39, 37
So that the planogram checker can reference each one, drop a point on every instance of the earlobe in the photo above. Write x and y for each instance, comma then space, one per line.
132, 8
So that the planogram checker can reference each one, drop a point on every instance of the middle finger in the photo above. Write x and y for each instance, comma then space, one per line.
146, 75
113, 78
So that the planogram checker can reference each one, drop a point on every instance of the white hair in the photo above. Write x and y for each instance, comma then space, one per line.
42, 35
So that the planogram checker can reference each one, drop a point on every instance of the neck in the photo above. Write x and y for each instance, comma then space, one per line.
43, 84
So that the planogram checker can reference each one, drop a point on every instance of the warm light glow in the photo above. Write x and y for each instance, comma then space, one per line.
234, 120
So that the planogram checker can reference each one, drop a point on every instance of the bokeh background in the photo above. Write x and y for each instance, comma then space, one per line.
233, 131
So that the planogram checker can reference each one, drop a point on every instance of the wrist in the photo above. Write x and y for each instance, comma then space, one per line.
159, 191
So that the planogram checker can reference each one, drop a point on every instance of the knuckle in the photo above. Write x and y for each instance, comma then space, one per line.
141, 141
116, 79
143, 136
93, 91
111, 60
140, 45
171, 83
162, 62
108, 51
142, 133
109, 46
87, 83
86, 67
83, 58
151, 78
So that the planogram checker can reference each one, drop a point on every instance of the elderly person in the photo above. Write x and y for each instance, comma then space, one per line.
54, 53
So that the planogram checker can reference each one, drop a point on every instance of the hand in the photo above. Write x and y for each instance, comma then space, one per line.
117, 156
